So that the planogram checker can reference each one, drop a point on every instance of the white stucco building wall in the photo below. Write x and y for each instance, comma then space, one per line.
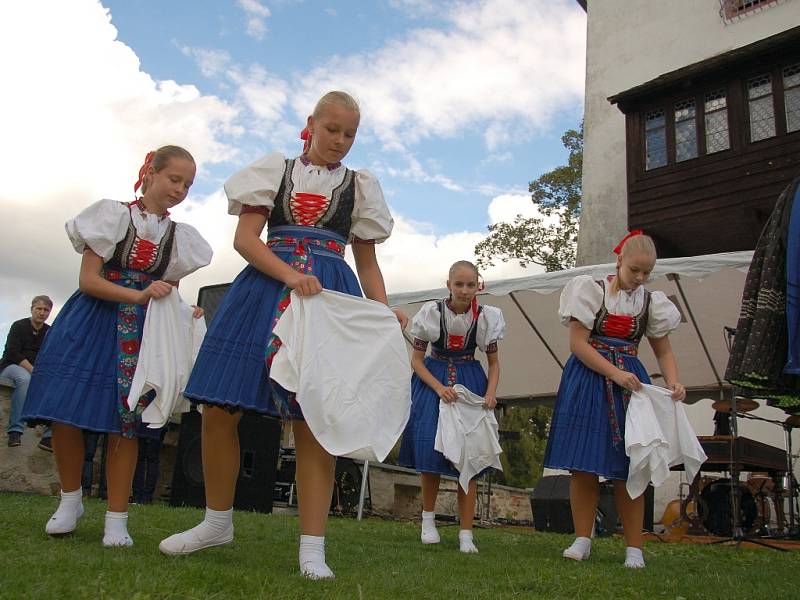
630, 42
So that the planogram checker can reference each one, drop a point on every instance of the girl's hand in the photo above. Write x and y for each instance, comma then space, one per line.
678, 392
489, 401
304, 285
198, 312
447, 394
626, 380
157, 289
401, 317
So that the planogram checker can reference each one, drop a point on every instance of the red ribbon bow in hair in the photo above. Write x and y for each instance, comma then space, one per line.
634, 233
306, 137
143, 170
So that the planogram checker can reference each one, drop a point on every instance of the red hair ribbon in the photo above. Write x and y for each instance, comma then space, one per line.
474, 304
634, 233
143, 170
306, 137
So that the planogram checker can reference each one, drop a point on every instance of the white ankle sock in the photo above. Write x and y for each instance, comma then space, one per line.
69, 510
580, 549
312, 557
634, 559
116, 532
466, 543
429, 534
215, 523
216, 529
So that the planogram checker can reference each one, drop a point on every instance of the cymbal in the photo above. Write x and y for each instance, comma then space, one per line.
742, 405
792, 421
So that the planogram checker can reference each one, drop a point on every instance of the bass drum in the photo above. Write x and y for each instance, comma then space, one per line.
717, 516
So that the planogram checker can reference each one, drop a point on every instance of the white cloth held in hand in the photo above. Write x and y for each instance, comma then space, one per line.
171, 339
346, 359
658, 435
467, 434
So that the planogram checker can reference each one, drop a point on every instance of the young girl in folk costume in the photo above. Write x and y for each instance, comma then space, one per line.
132, 252
455, 327
606, 320
313, 206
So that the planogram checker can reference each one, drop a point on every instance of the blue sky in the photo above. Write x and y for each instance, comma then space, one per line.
463, 103
301, 36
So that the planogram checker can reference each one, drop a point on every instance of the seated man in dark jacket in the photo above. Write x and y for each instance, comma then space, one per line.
22, 345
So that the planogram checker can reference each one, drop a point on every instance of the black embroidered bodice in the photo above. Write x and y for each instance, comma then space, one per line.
623, 327
338, 215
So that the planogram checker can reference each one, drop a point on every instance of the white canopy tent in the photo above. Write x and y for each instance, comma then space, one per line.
706, 289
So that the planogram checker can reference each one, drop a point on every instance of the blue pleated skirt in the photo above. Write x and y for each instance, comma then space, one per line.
580, 432
230, 370
75, 377
416, 448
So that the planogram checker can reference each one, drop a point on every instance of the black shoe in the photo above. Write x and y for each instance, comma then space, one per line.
14, 439
46, 444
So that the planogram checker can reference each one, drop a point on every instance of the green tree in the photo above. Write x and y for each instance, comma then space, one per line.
548, 240
523, 458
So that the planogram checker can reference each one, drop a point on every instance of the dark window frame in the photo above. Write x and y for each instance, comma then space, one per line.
667, 104
738, 112
732, 10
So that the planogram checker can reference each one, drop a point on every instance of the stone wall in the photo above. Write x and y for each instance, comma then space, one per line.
394, 490
25, 468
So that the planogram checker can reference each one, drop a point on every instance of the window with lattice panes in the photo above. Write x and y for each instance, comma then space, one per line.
716, 121
791, 97
732, 10
655, 140
685, 130
761, 107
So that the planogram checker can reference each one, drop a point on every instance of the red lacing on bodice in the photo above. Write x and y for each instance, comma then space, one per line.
455, 342
307, 209
622, 327
143, 254
618, 326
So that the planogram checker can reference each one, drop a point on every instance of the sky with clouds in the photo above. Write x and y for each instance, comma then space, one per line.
463, 103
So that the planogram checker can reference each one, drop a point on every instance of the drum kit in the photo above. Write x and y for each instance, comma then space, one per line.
756, 500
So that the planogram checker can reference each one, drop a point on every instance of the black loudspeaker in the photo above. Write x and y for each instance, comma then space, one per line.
551, 510
259, 442
550, 504
209, 298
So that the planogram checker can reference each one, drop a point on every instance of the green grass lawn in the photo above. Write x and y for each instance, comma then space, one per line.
372, 559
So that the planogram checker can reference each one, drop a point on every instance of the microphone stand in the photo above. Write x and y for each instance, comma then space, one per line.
738, 536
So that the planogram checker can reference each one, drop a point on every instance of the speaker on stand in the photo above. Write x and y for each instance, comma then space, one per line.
551, 509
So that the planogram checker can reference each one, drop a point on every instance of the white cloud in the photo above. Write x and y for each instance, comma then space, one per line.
254, 7
498, 158
264, 94
256, 15
419, 8
75, 128
415, 172
86, 114
506, 207
501, 67
211, 61
416, 258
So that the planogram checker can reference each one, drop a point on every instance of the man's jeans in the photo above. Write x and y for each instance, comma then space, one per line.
21, 379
